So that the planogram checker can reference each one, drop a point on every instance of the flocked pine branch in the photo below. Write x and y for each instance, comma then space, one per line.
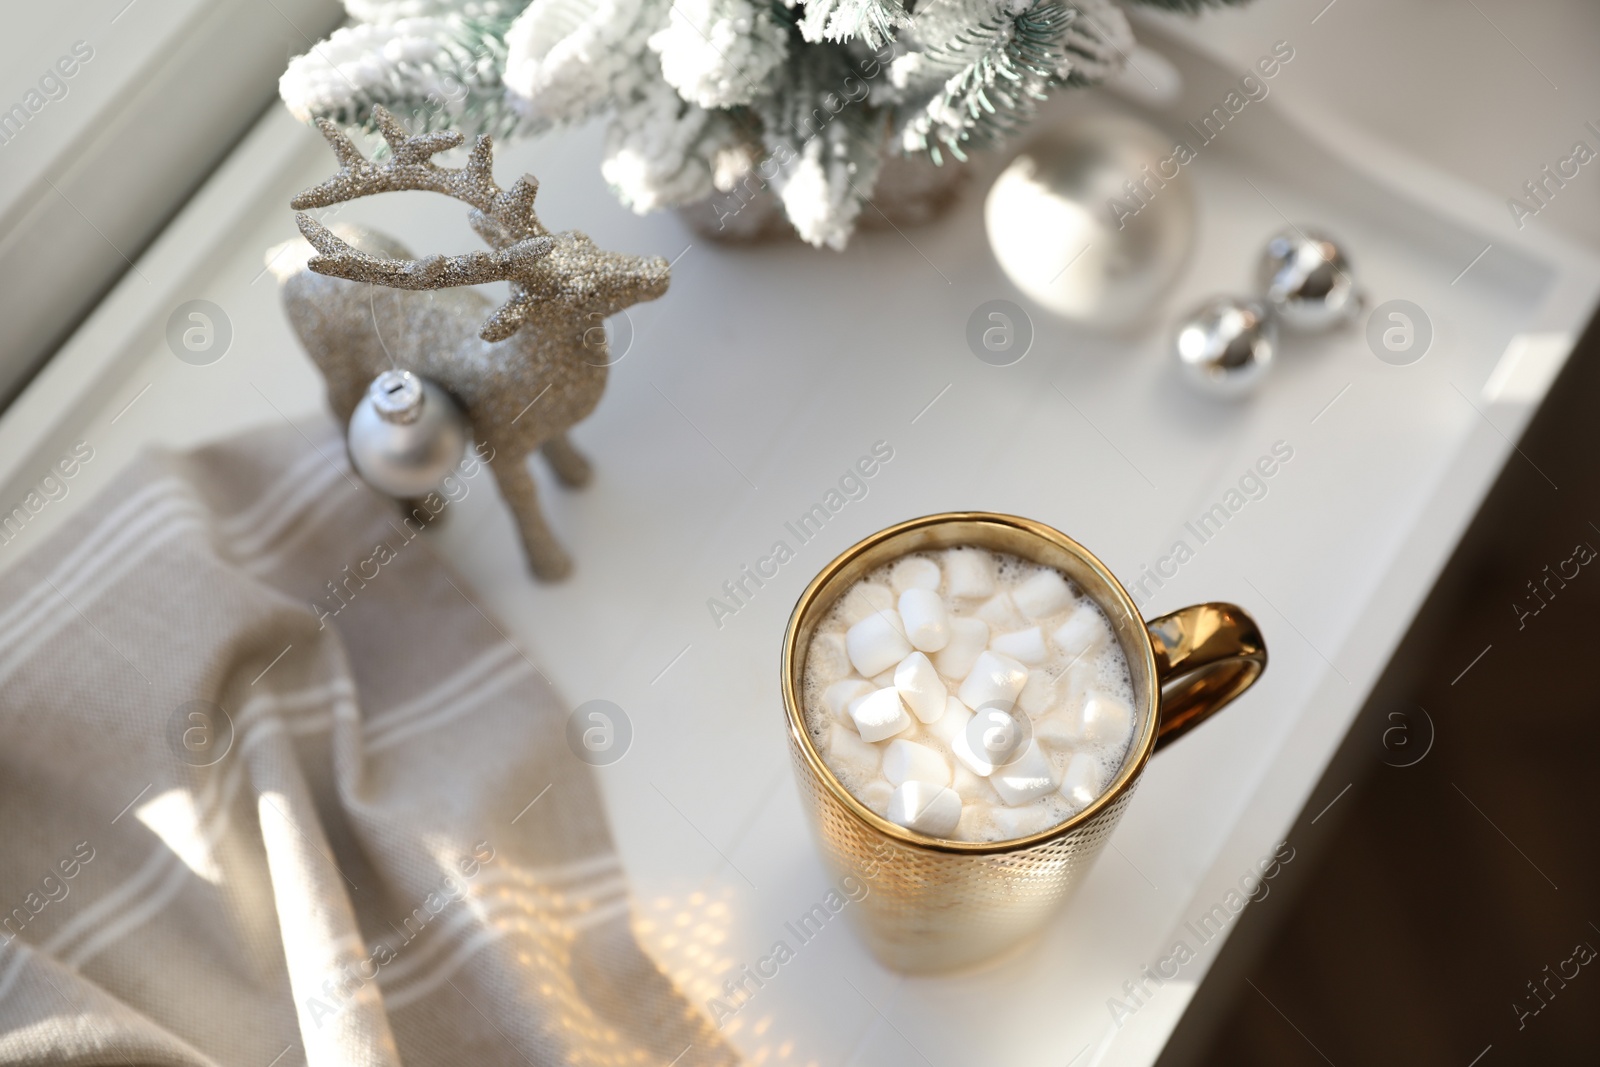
1097, 42
572, 60
435, 72
990, 79
824, 144
720, 53
662, 151
802, 97
872, 22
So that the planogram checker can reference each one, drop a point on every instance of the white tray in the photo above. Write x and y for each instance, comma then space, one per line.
775, 368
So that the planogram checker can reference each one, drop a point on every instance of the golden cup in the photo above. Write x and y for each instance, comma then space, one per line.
938, 905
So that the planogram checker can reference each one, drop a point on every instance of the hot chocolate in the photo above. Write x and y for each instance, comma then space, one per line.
969, 694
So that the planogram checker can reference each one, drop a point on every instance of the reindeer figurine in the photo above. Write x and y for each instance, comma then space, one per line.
535, 367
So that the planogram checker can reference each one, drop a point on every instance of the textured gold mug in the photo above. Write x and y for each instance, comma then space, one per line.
937, 905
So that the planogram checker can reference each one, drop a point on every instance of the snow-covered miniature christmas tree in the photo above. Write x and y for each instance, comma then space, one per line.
702, 96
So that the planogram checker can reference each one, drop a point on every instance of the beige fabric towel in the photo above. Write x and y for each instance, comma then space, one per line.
342, 866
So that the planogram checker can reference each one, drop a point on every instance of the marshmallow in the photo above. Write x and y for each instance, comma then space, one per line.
826, 658
838, 697
994, 679
1082, 632
1046, 593
920, 687
1001, 613
877, 642
914, 572
1106, 721
1074, 686
1039, 696
1023, 821
875, 795
948, 696
849, 756
880, 714
906, 761
1024, 646
1027, 777
926, 623
969, 571
928, 809
1080, 782
962, 750
1058, 731
952, 722
990, 740
865, 599
968, 639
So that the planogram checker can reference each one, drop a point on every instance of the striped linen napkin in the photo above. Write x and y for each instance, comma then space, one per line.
267, 779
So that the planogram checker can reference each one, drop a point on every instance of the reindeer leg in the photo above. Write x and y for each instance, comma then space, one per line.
571, 466
546, 558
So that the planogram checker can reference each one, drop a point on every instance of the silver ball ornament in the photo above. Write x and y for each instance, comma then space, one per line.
406, 435
1094, 220
1226, 345
1306, 281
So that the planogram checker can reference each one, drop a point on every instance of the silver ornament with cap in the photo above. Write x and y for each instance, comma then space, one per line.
1226, 345
406, 435
1307, 282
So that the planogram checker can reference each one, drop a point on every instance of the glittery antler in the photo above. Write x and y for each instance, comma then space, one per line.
505, 219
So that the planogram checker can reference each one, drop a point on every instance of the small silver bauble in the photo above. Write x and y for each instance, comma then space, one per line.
1094, 220
1225, 345
1306, 281
406, 435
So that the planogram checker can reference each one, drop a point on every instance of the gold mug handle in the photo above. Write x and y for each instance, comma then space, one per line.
1206, 655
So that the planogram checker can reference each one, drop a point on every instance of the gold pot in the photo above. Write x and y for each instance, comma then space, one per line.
937, 905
